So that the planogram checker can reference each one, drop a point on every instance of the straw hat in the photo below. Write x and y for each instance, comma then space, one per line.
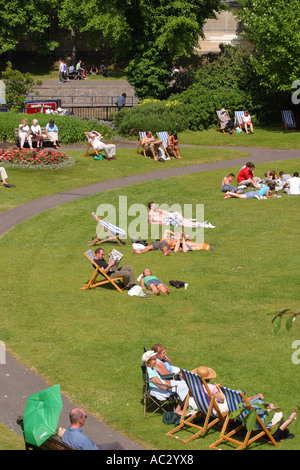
206, 373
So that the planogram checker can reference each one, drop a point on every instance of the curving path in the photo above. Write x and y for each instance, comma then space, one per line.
18, 382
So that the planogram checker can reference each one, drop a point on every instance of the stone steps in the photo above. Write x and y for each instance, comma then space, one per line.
85, 92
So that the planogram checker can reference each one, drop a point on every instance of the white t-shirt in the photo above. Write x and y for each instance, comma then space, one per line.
294, 186
35, 129
246, 118
24, 129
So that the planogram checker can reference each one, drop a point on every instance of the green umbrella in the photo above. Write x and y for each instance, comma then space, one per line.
41, 415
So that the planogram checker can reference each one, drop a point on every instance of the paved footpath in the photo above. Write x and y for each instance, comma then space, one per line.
16, 381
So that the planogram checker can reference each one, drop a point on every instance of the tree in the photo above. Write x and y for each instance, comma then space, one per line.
30, 19
18, 85
273, 27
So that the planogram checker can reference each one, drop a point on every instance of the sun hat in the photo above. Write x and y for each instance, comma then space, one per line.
146, 356
206, 373
223, 110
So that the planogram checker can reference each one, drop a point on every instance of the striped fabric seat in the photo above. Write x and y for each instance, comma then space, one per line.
288, 119
111, 227
238, 119
205, 403
236, 399
114, 232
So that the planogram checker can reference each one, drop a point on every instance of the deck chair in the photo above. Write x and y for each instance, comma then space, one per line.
163, 135
288, 120
97, 270
113, 232
205, 403
151, 402
91, 149
219, 122
238, 120
236, 399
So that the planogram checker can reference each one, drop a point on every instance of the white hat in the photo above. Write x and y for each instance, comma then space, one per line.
59, 109
146, 356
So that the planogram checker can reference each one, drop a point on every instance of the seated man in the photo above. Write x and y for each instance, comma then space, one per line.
283, 178
149, 143
109, 149
246, 176
176, 219
226, 122
4, 176
126, 272
227, 186
292, 186
74, 437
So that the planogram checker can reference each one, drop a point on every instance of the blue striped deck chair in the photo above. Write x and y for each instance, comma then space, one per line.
219, 122
238, 120
163, 135
113, 232
97, 270
288, 119
236, 399
205, 402
91, 149
140, 149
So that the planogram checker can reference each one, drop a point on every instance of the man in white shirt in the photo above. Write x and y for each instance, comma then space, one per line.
109, 149
292, 186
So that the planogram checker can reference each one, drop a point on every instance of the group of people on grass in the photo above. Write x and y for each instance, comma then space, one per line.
226, 123
154, 146
264, 188
34, 134
159, 365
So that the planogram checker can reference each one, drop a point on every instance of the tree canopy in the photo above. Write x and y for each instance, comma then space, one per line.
273, 27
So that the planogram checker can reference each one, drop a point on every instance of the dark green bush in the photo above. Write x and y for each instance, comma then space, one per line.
71, 129
152, 115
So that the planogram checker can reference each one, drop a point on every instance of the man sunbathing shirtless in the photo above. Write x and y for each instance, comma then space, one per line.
176, 219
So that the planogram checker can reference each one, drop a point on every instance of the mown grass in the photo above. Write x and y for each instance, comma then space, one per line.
91, 342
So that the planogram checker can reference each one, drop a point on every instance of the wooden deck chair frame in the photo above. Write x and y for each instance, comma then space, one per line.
140, 149
90, 145
205, 403
163, 135
234, 400
111, 236
97, 270
238, 120
218, 111
150, 401
288, 120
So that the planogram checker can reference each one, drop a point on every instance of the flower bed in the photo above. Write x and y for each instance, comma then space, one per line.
24, 158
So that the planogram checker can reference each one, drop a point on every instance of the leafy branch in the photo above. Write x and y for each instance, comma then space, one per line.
277, 319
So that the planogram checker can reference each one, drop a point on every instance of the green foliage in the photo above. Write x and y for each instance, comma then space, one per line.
277, 319
153, 115
273, 26
18, 85
71, 129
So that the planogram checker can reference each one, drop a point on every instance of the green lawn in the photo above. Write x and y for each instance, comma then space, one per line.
91, 342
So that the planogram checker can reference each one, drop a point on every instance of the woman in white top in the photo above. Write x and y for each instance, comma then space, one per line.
24, 134
37, 133
246, 121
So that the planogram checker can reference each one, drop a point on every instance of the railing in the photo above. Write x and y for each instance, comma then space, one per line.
97, 112
84, 100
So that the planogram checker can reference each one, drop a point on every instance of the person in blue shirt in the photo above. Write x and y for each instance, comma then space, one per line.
74, 437
52, 133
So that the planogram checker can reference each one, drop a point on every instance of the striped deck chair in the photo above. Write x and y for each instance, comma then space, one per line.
205, 403
288, 119
97, 270
238, 120
91, 149
140, 149
163, 135
113, 232
236, 399
219, 122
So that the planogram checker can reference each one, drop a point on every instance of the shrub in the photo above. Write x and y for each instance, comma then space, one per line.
153, 115
71, 129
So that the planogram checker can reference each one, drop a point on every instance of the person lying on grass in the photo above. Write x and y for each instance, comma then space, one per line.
179, 241
264, 192
152, 283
